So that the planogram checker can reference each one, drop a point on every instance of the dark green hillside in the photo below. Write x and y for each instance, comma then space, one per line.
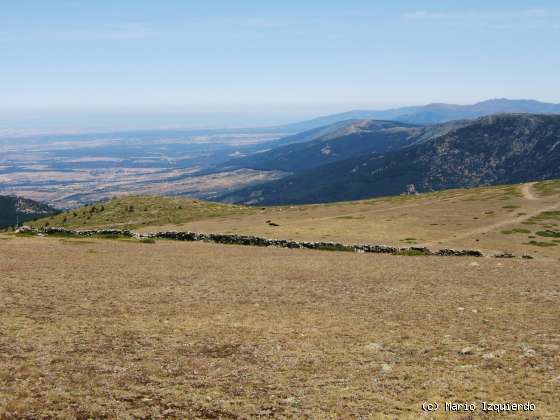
13, 209
330, 144
500, 149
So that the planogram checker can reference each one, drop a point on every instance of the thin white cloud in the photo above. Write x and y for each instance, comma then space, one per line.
246, 23
495, 18
260, 23
117, 31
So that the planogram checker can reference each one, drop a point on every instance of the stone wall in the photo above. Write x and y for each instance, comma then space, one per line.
248, 240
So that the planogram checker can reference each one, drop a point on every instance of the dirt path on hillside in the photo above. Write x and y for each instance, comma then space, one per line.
527, 191
528, 194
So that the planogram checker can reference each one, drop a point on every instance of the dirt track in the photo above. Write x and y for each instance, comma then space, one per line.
528, 194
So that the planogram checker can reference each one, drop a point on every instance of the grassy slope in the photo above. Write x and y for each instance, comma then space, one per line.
472, 218
131, 212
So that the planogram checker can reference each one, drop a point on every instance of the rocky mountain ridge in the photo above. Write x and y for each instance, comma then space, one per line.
497, 149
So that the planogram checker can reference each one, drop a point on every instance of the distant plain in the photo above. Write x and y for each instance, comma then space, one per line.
69, 170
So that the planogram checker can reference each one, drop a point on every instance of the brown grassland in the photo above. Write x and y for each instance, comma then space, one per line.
105, 328
97, 328
509, 218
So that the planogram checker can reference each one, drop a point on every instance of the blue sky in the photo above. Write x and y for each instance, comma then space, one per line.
275, 58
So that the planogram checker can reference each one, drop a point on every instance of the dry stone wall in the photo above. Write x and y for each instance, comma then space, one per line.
249, 240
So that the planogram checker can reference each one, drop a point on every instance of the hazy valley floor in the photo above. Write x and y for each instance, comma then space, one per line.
106, 328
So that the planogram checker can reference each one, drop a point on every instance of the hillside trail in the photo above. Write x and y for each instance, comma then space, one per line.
527, 191
528, 194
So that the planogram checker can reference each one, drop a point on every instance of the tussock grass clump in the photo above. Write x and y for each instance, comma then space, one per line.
516, 230
548, 188
411, 241
549, 233
541, 244
543, 218
76, 241
547, 215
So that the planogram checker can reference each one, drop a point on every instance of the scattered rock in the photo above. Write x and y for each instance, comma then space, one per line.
373, 347
385, 369
289, 401
527, 351
410, 190
504, 255
459, 253
23, 229
466, 351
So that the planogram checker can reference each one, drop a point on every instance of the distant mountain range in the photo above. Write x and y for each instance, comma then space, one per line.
433, 113
371, 158
328, 144
356, 154
14, 209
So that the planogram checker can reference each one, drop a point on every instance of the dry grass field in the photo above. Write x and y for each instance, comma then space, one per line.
117, 329
481, 218
100, 328
522, 219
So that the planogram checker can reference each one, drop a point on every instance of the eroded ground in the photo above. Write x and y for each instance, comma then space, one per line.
106, 328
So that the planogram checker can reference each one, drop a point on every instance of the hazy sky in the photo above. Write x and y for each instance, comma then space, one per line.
274, 57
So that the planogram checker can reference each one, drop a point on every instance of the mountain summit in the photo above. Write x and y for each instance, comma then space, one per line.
436, 112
